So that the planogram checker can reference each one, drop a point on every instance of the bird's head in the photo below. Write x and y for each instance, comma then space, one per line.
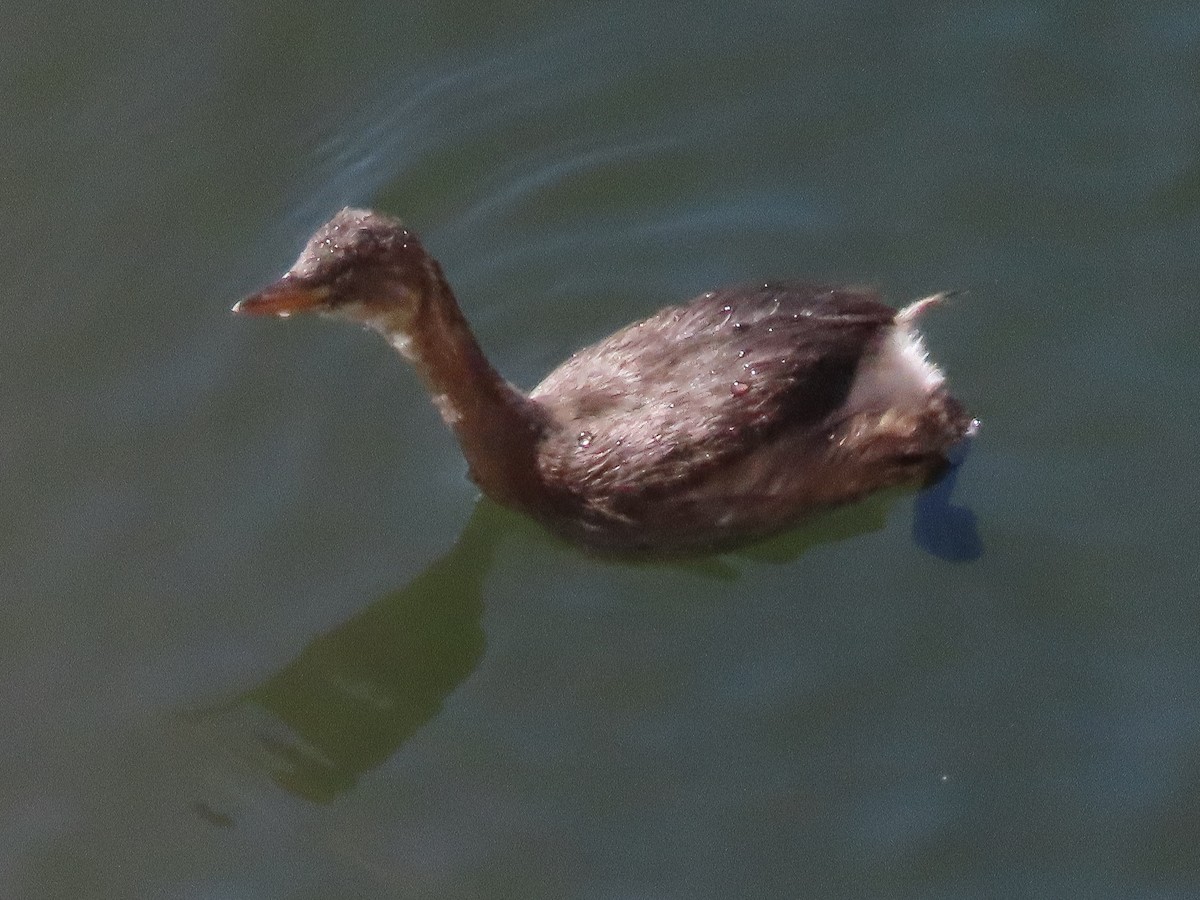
360, 265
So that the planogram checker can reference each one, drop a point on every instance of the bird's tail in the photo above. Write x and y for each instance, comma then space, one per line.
917, 308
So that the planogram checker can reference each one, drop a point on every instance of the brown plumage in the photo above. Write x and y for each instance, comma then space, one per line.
707, 424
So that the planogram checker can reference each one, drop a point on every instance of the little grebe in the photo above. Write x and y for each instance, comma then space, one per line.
705, 425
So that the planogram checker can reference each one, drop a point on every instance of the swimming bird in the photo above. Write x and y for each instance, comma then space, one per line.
706, 425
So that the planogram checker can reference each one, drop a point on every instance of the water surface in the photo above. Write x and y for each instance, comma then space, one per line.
261, 640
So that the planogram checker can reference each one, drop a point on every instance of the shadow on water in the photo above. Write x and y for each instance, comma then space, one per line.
353, 695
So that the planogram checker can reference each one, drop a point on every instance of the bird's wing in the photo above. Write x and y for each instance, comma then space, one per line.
662, 400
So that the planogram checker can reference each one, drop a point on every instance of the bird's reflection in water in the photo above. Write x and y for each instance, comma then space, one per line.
355, 694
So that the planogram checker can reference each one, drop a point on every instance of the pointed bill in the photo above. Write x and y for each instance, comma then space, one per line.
283, 298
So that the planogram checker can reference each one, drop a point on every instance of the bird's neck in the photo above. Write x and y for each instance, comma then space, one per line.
497, 426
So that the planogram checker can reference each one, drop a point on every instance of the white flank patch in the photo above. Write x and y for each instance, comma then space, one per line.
900, 375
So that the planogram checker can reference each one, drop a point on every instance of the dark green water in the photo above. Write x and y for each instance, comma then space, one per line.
259, 640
